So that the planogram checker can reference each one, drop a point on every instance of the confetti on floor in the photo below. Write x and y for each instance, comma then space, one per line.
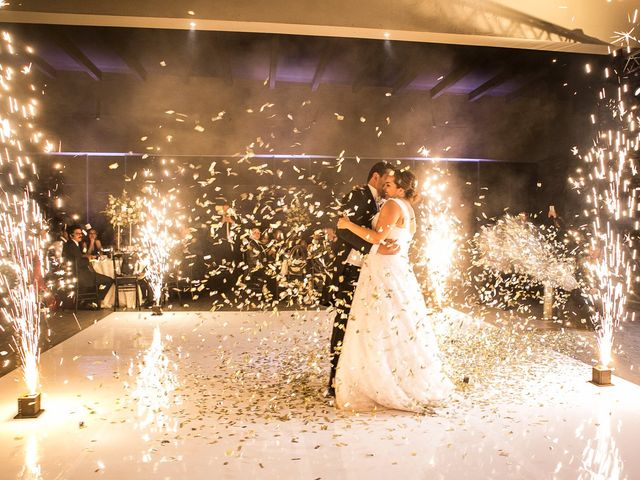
240, 394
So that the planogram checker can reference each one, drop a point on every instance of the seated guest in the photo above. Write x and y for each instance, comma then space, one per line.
87, 278
92, 245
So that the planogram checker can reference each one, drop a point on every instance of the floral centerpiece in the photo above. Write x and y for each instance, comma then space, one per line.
123, 211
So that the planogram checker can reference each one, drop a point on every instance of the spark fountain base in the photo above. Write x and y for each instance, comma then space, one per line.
547, 309
601, 376
156, 310
29, 406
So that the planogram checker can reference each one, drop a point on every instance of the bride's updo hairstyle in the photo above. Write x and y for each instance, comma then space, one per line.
406, 180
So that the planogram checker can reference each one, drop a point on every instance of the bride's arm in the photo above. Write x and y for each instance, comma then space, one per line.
389, 215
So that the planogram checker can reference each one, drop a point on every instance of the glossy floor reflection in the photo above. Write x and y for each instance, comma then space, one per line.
238, 395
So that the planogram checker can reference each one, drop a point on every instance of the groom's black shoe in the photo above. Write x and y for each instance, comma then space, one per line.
330, 392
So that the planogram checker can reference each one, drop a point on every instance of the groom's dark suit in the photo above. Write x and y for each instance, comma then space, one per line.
87, 278
360, 205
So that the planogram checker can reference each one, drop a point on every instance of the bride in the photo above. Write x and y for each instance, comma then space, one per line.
390, 356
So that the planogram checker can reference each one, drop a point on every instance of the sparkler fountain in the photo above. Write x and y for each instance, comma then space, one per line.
612, 206
442, 235
156, 241
22, 260
22, 248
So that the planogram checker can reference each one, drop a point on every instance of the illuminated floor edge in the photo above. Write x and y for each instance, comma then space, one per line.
227, 423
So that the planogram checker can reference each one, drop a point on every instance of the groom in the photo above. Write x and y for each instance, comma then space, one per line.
360, 205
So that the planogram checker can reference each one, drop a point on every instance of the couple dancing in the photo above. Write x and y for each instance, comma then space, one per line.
384, 353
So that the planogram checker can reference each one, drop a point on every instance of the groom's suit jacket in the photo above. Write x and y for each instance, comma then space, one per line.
73, 253
360, 205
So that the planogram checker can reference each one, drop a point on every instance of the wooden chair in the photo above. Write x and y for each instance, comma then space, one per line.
123, 282
84, 294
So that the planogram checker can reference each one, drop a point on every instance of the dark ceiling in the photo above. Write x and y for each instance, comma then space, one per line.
133, 53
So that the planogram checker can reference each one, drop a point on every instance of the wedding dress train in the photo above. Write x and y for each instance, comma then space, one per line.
390, 356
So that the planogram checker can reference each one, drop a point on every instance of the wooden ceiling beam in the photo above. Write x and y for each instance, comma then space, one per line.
449, 80
43, 66
325, 57
70, 48
32, 53
126, 55
489, 85
414, 65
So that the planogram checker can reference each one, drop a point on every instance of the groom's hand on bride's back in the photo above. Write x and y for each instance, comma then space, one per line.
388, 247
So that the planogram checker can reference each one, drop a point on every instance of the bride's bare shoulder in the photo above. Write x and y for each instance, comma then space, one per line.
403, 204
391, 205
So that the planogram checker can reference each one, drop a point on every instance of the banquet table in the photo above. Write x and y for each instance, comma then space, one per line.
127, 299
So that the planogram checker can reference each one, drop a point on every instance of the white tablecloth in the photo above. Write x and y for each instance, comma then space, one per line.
127, 299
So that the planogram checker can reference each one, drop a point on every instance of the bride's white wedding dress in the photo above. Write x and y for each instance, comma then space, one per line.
390, 356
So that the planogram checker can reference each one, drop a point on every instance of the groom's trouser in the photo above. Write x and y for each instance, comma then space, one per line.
342, 301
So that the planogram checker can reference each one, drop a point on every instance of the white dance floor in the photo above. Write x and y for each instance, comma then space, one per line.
238, 395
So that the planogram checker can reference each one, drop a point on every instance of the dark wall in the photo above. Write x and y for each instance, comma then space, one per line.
480, 190
113, 115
